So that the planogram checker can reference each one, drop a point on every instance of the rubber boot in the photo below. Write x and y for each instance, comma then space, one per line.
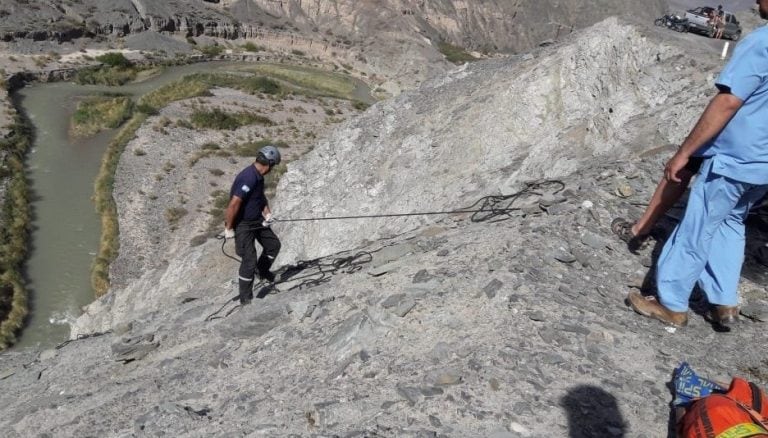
246, 291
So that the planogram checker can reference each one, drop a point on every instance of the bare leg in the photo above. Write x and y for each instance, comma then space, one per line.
664, 197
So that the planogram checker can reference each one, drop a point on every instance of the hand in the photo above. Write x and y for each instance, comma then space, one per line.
268, 220
229, 233
674, 166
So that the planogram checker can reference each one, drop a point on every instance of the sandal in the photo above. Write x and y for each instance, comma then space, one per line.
623, 229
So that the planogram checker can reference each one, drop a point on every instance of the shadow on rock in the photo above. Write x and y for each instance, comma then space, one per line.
592, 412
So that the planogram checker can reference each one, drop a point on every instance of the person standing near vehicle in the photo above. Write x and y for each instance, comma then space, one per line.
707, 246
719, 19
248, 219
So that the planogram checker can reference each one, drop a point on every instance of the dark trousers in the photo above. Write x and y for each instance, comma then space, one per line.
246, 234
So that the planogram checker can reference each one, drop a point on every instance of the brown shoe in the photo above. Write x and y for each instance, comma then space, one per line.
650, 307
725, 315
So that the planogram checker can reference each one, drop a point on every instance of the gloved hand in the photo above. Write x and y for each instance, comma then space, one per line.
229, 233
268, 220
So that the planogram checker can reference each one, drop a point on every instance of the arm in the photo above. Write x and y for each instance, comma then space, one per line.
266, 211
231, 212
717, 114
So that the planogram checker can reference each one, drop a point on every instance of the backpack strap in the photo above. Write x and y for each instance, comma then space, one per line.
757, 399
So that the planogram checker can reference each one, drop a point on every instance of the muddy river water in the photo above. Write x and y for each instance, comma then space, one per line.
65, 228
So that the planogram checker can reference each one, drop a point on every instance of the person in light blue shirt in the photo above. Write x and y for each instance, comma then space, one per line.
707, 246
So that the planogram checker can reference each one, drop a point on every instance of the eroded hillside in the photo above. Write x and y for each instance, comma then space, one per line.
414, 327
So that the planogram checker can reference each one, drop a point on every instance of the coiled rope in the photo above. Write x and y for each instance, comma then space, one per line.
493, 208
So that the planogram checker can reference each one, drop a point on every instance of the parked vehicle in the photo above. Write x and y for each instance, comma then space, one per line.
700, 20
674, 22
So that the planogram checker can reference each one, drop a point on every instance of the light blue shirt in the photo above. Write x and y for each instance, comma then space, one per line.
740, 150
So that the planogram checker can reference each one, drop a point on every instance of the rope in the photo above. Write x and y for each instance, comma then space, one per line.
492, 208
81, 337
484, 209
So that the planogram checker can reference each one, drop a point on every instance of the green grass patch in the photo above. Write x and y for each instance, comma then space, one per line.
14, 231
455, 54
105, 75
173, 215
208, 150
248, 84
105, 204
309, 81
212, 50
184, 88
116, 70
250, 47
97, 113
218, 119
219, 201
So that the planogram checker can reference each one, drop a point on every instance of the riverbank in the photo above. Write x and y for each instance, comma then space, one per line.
299, 103
14, 228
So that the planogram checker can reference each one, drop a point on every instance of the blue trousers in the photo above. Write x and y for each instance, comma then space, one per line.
707, 246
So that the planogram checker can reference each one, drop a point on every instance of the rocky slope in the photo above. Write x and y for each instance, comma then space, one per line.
439, 326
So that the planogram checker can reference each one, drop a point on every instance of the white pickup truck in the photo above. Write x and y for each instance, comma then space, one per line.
699, 20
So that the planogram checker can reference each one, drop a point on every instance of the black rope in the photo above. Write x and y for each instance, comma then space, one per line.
81, 337
492, 208
484, 209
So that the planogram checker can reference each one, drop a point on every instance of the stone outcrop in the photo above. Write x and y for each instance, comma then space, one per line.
490, 25
609, 92
423, 327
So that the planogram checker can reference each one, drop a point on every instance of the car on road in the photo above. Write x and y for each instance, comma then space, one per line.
699, 20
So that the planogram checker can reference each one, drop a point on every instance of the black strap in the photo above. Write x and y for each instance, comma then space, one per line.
757, 399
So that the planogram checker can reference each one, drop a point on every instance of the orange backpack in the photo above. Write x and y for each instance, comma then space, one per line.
739, 413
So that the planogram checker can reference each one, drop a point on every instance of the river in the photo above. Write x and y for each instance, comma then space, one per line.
65, 227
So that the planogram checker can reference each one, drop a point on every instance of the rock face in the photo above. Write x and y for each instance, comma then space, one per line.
414, 327
491, 25
609, 92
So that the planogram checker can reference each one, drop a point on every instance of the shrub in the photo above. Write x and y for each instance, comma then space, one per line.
114, 59
181, 89
455, 54
213, 50
173, 215
250, 47
97, 113
360, 106
219, 119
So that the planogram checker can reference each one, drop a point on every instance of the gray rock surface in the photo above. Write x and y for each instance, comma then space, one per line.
470, 328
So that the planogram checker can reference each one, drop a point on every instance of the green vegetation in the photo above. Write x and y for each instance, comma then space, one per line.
97, 113
211, 50
220, 202
249, 84
207, 150
250, 47
184, 88
309, 81
116, 70
219, 119
173, 215
114, 59
105, 205
14, 231
455, 54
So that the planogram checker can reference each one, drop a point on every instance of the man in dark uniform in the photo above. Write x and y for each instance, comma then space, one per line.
248, 218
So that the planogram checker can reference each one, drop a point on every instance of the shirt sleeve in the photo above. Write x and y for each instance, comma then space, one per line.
242, 187
747, 69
